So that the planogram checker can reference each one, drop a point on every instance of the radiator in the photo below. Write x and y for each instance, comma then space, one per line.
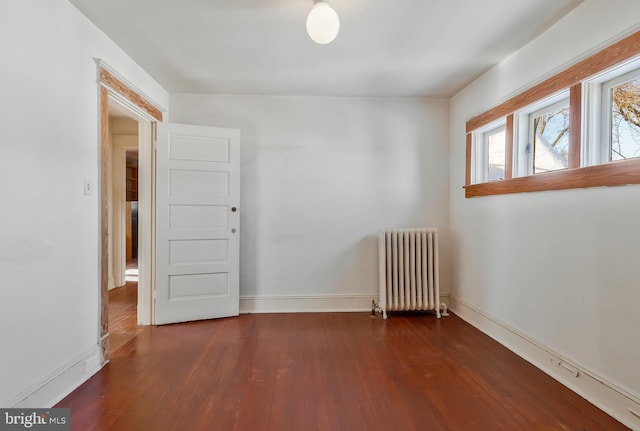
408, 263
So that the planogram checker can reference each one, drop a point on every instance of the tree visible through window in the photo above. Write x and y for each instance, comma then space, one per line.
551, 139
530, 133
625, 120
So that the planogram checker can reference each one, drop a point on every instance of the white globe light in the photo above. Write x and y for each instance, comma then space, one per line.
323, 23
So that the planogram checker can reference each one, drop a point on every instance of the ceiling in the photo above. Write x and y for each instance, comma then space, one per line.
395, 48
118, 111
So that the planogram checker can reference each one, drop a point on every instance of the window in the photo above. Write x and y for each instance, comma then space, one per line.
489, 150
549, 129
622, 117
612, 111
579, 128
495, 154
542, 144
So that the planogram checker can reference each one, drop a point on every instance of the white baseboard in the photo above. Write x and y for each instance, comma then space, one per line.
607, 396
60, 383
305, 303
310, 303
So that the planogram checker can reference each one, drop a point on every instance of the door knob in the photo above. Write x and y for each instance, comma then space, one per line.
233, 230
233, 209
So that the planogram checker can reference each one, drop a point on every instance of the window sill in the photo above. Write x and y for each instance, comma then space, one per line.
613, 174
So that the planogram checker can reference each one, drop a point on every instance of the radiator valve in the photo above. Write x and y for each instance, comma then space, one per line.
443, 306
375, 308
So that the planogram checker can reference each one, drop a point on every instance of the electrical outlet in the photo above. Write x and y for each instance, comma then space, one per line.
89, 187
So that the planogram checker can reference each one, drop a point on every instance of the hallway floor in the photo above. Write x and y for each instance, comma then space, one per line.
123, 302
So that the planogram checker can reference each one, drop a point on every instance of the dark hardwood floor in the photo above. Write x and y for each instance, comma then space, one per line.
331, 371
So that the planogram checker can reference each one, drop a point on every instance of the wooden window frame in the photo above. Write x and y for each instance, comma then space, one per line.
609, 174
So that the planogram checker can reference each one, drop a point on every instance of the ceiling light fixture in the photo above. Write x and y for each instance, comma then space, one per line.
323, 23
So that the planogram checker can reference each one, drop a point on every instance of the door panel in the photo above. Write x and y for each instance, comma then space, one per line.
197, 232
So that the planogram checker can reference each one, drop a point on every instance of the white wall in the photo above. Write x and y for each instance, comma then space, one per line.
559, 267
49, 237
320, 176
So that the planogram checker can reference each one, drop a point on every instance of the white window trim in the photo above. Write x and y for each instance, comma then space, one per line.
596, 102
485, 144
480, 143
560, 104
605, 140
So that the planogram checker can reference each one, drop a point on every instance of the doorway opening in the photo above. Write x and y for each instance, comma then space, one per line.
131, 215
123, 101
123, 197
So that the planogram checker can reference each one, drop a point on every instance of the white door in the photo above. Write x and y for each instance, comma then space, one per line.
197, 223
